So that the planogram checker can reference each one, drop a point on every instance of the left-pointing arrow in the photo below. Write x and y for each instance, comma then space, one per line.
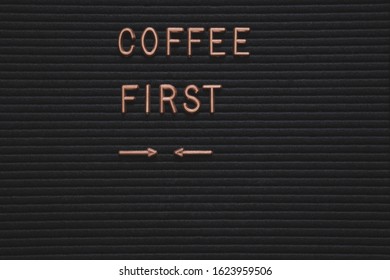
181, 152
148, 152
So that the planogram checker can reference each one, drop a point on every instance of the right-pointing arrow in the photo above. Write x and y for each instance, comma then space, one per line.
148, 152
181, 152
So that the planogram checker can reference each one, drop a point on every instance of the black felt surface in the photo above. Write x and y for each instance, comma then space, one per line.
300, 135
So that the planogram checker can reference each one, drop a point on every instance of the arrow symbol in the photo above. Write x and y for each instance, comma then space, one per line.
181, 152
148, 152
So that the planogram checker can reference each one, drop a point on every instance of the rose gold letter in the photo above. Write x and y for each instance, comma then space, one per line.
146, 51
147, 99
212, 102
169, 40
120, 39
191, 98
190, 40
215, 41
127, 98
169, 99
239, 41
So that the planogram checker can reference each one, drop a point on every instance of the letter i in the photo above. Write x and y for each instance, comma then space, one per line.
147, 100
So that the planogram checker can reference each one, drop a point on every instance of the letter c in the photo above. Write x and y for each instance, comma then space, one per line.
120, 39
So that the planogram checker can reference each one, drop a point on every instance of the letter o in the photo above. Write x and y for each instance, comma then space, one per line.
146, 51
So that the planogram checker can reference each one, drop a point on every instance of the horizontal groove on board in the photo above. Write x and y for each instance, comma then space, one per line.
300, 134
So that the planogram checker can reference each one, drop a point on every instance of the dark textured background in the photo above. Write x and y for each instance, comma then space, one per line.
300, 134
